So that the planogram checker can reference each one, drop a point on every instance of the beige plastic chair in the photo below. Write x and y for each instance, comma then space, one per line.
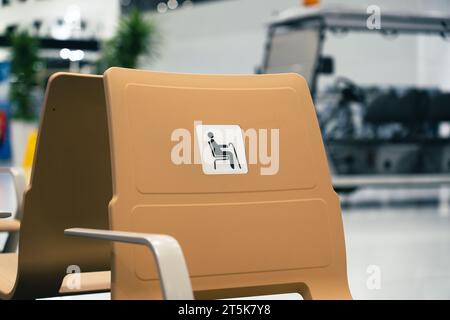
12, 187
242, 235
70, 185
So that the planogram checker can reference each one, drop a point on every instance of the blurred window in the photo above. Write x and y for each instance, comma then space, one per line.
294, 50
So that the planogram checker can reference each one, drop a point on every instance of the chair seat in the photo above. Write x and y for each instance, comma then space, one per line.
8, 273
89, 281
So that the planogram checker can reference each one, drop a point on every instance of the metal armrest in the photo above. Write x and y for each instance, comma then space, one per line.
172, 269
10, 225
5, 215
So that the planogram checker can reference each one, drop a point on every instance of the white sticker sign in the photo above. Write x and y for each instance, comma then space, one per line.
222, 149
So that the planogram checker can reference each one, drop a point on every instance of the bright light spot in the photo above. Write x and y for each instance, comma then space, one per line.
71, 23
60, 32
76, 55
172, 4
444, 130
161, 7
64, 53
73, 14
72, 55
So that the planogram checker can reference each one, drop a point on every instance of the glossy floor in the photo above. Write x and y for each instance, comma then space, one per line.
408, 248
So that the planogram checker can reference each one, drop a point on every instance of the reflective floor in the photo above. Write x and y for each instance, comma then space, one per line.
402, 235
409, 248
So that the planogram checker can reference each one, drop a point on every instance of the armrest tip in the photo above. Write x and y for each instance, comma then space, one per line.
9, 225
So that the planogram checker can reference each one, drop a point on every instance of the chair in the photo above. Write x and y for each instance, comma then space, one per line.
12, 187
241, 235
70, 185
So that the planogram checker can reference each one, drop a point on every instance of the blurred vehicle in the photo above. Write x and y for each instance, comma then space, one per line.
374, 126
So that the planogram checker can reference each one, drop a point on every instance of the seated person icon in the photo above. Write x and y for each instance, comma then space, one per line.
223, 152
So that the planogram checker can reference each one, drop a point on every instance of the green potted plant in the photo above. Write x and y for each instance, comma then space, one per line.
135, 38
23, 87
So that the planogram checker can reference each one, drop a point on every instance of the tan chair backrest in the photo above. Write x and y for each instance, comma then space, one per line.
70, 186
245, 234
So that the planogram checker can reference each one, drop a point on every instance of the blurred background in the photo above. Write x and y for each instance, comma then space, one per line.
379, 73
